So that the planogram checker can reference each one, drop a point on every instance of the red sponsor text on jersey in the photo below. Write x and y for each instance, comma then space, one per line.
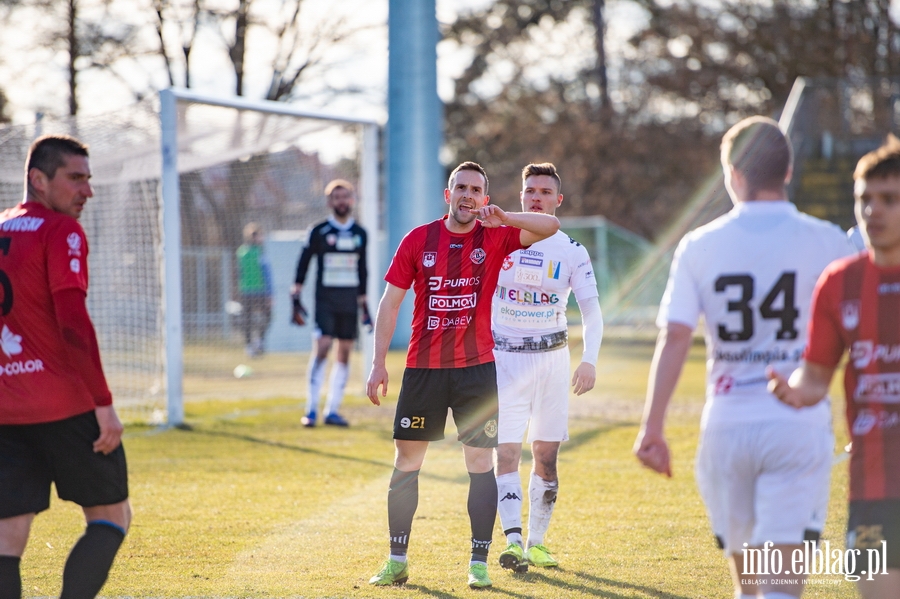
856, 307
453, 277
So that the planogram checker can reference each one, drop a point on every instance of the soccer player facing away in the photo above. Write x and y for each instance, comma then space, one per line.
452, 265
762, 468
57, 422
339, 246
528, 319
856, 307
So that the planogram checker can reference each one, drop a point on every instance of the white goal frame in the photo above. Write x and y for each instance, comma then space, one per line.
368, 194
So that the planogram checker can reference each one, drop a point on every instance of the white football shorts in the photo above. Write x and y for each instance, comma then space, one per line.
765, 481
533, 386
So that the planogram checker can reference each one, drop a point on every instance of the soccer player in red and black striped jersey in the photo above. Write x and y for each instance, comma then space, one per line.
452, 265
57, 422
856, 307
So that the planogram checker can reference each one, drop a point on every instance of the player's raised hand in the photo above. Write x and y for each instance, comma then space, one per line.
491, 216
653, 452
584, 378
378, 377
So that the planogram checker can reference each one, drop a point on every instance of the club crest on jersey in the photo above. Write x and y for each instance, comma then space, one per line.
553, 269
490, 428
507, 263
429, 258
331, 239
74, 241
850, 314
477, 256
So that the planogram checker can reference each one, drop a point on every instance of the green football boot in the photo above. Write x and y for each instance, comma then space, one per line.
513, 558
539, 556
478, 576
392, 572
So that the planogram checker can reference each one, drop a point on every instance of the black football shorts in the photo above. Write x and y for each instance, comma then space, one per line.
470, 393
34, 455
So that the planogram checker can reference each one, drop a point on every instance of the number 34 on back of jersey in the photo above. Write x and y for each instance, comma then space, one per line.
779, 304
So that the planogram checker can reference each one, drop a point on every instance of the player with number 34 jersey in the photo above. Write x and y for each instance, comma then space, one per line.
755, 301
763, 468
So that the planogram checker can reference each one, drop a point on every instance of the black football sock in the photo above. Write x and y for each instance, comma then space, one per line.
403, 499
90, 560
10, 579
482, 506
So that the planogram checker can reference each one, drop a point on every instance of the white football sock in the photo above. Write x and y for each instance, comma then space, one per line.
509, 504
541, 499
316, 378
336, 388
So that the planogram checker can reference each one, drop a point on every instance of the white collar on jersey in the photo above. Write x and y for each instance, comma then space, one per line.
765, 206
341, 227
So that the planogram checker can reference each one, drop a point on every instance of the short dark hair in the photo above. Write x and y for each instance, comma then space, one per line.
758, 149
542, 168
336, 183
880, 163
48, 152
469, 166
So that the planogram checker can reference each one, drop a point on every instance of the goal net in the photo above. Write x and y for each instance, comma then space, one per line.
176, 179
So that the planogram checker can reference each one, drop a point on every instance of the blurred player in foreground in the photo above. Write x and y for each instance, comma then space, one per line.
856, 306
57, 422
339, 246
763, 469
452, 264
528, 319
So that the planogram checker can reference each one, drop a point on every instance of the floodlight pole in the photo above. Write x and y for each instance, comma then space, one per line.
171, 260
414, 131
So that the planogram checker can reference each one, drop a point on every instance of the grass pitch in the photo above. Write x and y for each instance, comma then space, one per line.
250, 504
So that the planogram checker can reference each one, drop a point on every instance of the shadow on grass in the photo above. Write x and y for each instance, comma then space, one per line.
576, 441
596, 586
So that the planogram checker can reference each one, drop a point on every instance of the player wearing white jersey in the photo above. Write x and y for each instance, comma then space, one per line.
763, 468
528, 320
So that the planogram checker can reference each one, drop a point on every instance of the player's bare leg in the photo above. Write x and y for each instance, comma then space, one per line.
337, 384
13, 539
777, 586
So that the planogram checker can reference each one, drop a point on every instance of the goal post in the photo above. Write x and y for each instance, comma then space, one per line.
177, 141
176, 177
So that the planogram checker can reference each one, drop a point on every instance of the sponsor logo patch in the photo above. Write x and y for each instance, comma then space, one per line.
450, 303
850, 314
883, 388
865, 351
10, 343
